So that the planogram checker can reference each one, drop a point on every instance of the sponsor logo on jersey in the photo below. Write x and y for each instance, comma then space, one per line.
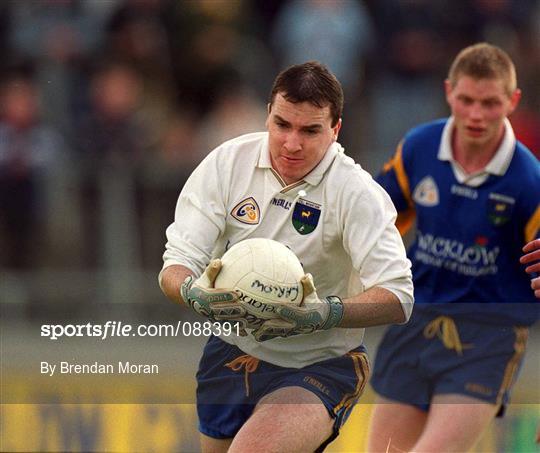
426, 192
464, 191
281, 203
473, 259
500, 208
247, 211
305, 216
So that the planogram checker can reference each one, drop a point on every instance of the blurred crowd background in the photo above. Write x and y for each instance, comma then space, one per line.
108, 105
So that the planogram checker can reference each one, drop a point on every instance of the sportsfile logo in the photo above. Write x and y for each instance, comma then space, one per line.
467, 259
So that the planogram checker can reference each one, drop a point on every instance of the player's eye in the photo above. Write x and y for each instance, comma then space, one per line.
490, 103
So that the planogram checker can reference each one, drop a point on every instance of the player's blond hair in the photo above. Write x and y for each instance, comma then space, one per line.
484, 61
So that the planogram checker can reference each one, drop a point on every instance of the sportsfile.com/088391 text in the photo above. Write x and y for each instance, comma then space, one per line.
117, 329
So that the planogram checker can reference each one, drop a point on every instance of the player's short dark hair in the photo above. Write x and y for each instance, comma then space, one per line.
310, 82
484, 61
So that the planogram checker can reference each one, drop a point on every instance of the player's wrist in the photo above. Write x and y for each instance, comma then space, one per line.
185, 287
335, 312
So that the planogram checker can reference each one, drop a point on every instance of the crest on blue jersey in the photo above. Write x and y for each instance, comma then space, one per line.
247, 211
305, 216
500, 208
426, 192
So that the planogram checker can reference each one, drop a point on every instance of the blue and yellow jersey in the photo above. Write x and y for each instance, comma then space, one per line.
469, 228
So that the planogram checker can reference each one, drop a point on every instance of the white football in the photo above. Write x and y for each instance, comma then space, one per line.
265, 272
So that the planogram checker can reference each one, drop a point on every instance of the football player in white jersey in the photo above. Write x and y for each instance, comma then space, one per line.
291, 383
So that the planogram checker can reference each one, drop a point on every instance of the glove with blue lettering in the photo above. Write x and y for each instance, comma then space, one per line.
216, 304
311, 315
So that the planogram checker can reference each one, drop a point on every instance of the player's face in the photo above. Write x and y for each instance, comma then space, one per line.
479, 107
300, 134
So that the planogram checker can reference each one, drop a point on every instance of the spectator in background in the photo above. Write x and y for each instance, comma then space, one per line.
112, 131
340, 34
213, 43
113, 141
29, 149
136, 33
61, 38
405, 89
236, 111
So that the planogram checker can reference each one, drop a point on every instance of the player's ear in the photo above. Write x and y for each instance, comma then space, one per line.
515, 97
269, 109
335, 130
447, 89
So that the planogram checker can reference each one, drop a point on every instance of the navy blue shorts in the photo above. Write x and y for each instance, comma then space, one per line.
231, 383
434, 354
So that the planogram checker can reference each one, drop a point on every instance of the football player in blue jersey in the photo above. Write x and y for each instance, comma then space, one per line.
474, 191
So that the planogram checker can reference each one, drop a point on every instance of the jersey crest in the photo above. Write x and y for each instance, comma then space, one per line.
426, 192
500, 208
306, 216
247, 211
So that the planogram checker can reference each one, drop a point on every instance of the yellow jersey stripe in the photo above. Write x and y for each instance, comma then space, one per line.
405, 219
533, 225
402, 178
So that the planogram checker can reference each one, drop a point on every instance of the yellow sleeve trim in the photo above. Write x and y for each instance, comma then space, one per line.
405, 221
533, 225
402, 178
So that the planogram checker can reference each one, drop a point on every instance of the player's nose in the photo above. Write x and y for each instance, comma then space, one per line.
292, 143
475, 111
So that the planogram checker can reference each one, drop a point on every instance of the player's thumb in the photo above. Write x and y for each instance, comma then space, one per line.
307, 285
212, 270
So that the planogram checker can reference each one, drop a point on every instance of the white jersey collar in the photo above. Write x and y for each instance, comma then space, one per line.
496, 166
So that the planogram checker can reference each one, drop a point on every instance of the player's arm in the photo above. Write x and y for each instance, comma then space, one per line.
171, 280
374, 307
199, 220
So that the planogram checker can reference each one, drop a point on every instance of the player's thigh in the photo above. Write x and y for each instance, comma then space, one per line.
455, 423
211, 445
277, 425
394, 426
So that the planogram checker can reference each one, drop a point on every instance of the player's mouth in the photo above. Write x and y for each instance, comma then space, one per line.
291, 160
474, 131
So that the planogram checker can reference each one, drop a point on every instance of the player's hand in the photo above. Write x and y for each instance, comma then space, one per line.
532, 259
532, 255
311, 315
217, 304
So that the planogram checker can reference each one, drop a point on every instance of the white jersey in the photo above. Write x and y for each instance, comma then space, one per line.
338, 221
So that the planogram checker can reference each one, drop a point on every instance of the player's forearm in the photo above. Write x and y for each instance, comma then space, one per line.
171, 280
377, 306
